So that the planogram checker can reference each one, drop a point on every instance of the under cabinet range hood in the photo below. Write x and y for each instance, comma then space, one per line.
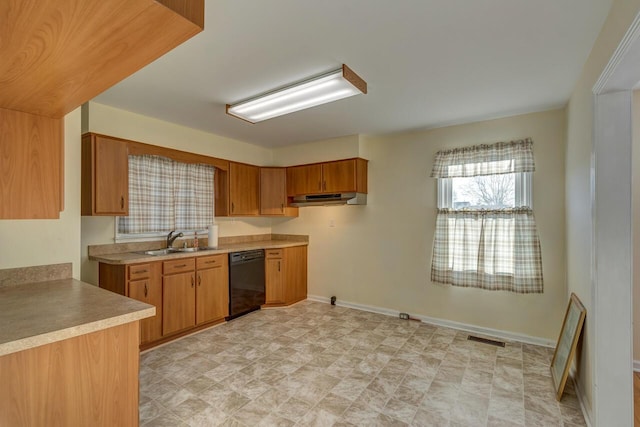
330, 199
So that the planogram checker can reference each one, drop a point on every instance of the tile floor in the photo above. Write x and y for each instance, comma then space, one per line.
314, 364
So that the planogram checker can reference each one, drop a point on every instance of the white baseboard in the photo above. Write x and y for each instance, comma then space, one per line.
636, 365
511, 336
580, 395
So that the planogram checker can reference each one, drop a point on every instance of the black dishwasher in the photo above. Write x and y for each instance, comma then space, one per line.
246, 282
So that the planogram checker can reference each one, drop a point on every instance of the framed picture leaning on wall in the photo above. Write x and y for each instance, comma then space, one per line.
567, 342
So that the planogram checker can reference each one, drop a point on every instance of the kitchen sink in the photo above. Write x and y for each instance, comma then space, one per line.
158, 252
168, 251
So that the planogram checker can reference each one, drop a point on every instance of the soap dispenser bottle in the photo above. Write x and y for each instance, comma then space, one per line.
195, 240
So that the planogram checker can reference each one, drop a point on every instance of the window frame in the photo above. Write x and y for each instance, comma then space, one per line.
145, 237
523, 191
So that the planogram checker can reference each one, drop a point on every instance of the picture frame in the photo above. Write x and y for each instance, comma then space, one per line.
567, 343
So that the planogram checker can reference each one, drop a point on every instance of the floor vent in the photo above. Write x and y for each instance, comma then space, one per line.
486, 341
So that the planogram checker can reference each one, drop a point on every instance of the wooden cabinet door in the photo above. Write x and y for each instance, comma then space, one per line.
339, 176
273, 192
31, 159
212, 292
150, 291
295, 276
306, 179
274, 281
244, 188
105, 176
178, 302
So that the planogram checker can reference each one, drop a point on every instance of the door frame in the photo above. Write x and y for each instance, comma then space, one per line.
612, 233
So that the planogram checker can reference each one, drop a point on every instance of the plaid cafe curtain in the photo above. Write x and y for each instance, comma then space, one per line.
488, 249
167, 195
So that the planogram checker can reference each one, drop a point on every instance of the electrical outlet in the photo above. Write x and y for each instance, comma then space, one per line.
332, 223
404, 316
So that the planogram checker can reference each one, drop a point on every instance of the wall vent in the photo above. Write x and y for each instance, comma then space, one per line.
485, 341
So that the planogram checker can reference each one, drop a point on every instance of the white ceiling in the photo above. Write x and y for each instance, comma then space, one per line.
427, 63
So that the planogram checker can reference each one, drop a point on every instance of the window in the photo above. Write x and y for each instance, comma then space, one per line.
166, 195
501, 191
486, 234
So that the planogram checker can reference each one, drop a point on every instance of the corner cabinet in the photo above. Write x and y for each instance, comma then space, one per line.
244, 185
329, 177
285, 276
145, 284
142, 282
105, 176
273, 193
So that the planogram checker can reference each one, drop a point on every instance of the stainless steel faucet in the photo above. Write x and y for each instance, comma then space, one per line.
171, 238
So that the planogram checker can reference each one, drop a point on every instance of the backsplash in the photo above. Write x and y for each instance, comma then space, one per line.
34, 274
117, 248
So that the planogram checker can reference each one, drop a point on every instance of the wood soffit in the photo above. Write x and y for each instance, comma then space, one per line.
58, 54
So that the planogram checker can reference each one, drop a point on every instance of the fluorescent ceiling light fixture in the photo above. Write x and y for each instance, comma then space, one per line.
329, 87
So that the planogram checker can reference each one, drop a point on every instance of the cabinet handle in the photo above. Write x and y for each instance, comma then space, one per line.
281, 207
274, 253
145, 289
233, 207
324, 185
139, 271
192, 280
199, 280
121, 202
180, 266
278, 265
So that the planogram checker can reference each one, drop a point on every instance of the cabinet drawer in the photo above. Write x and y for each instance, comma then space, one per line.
273, 253
211, 261
139, 271
178, 265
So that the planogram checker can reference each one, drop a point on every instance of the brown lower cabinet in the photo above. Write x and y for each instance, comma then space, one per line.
187, 292
193, 293
88, 380
178, 302
147, 287
212, 290
285, 275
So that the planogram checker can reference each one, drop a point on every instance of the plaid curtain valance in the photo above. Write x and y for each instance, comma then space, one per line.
167, 195
485, 159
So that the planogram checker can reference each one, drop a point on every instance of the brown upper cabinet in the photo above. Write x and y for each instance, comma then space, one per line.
31, 165
244, 184
273, 193
105, 176
240, 189
330, 177
76, 49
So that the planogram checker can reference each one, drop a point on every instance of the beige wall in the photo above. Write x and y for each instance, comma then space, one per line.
123, 124
331, 149
380, 254
39, 242
578, 169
